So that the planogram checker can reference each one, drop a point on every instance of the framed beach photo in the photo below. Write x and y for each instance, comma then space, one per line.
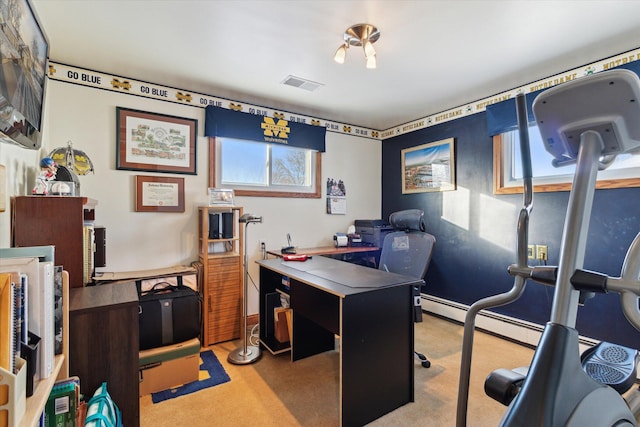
429, 167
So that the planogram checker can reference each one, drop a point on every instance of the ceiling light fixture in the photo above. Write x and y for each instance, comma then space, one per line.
364, 35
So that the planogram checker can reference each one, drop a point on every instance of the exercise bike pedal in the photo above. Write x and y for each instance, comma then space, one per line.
503, 384
612, 365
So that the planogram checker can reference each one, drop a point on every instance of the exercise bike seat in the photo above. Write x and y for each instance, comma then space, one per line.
612, 365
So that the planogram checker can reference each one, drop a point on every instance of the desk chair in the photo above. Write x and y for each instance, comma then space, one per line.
407, 251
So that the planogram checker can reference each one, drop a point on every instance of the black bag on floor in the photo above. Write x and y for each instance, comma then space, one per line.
168, 314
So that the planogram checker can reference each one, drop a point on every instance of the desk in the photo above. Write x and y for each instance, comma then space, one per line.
343, 253
103, 343
372, 312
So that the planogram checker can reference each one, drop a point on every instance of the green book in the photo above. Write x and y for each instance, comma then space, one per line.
60, 409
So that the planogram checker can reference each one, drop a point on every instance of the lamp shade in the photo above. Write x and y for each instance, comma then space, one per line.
369, 51
371, 62
76, 160
341, 53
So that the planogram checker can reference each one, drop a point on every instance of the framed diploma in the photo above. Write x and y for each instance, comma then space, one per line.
159, 194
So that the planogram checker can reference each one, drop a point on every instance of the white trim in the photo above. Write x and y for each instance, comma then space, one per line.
518, 330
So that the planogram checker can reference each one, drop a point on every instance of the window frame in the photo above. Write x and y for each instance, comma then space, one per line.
316, 194
500, 188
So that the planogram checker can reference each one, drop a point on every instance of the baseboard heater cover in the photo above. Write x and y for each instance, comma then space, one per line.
514, 329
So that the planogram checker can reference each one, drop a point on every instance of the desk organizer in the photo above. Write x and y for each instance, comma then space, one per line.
13, 397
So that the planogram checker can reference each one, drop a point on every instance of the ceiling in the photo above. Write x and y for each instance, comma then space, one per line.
431, 55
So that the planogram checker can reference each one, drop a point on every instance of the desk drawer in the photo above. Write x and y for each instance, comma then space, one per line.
316, 305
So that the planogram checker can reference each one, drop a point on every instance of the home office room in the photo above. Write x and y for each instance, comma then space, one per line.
134, 142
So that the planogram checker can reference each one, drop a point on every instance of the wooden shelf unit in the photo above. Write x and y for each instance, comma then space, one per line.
37, 401
58, 221
223, 270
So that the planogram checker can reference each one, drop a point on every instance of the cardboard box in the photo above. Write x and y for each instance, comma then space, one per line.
167, 367
282, 320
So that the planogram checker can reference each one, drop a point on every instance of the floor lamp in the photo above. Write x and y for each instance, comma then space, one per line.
247, 353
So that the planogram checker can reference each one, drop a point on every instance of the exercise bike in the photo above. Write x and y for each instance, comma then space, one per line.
586, 122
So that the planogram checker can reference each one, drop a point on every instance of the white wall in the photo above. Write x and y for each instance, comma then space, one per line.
143, 240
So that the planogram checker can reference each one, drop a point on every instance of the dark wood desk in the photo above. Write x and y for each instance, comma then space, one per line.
103, 344
371, 311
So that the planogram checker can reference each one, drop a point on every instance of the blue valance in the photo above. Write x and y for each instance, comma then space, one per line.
501, 117
236, 124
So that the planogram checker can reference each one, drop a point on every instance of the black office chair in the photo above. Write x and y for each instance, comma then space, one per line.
407, 251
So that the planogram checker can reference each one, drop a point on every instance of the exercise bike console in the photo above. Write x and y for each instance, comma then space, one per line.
606, 103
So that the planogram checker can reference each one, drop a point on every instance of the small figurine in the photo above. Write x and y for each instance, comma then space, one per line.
48, 170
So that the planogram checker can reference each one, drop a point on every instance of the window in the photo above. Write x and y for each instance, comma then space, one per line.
259, 169
507, 167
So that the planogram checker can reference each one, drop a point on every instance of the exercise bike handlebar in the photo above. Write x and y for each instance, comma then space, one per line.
627, 285
520, 279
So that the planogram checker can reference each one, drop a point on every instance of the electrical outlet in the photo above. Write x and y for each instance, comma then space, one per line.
531, 252
263, 248
541, 252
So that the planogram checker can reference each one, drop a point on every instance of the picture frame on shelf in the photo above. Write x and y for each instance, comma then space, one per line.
159, 194
155, 142
221, 197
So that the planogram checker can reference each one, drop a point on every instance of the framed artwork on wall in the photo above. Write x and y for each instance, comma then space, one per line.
155, 142
24, 49
429, 167
159, 194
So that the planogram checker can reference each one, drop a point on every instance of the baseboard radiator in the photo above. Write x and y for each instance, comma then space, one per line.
508, 327
514, 329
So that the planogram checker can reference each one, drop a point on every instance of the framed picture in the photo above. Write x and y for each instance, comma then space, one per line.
24, 49
429, 167
220, 196
159, 194
155, 143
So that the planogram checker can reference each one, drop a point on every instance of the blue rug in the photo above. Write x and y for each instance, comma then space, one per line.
211, 374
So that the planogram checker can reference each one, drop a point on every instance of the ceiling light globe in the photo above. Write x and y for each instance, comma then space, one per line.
369, 51
341, 53
371, 62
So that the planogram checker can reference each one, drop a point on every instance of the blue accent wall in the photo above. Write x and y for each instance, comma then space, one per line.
476, 231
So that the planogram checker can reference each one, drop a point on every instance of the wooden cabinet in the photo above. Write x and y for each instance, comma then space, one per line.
220, 252
58, 221
104, 343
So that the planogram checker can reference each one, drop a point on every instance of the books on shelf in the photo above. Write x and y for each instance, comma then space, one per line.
63, 402
58, 304
6, 322
46, 318
22, 272
37, 302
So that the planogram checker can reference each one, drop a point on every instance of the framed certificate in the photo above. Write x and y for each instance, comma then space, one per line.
159, 194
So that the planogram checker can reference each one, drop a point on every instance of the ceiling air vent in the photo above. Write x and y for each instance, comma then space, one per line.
301, 83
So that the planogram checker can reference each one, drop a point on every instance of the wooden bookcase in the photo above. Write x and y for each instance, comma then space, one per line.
58, 221
220, 251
